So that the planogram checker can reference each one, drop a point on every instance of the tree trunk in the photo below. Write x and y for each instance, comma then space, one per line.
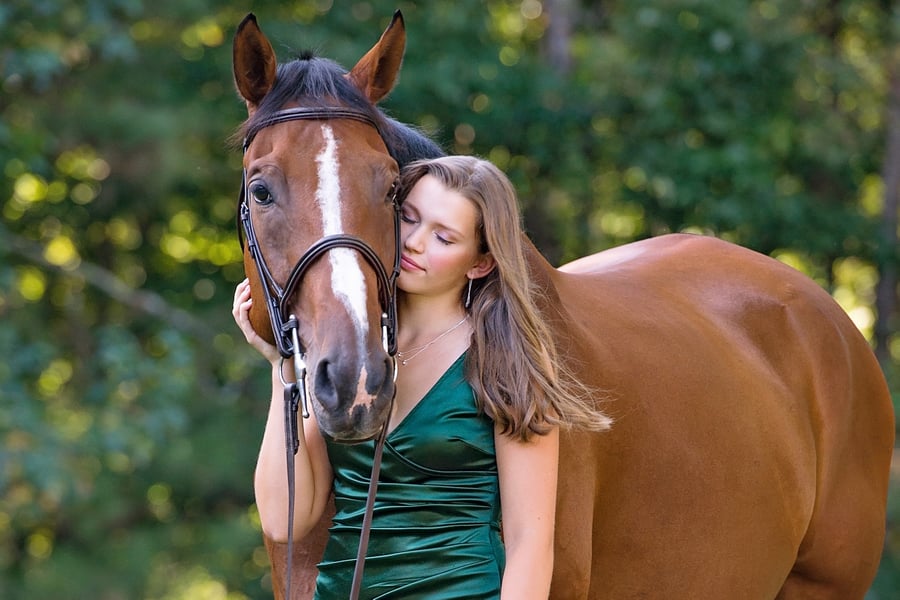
886, 290
559, 33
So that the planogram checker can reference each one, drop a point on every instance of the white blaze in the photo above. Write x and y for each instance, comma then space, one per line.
346, 276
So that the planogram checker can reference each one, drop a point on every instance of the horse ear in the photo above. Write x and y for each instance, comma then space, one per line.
254, 62
376, 72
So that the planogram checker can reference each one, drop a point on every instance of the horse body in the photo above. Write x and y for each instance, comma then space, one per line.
752, 437
753, 429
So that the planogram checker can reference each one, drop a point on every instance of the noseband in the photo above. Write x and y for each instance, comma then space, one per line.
285, 326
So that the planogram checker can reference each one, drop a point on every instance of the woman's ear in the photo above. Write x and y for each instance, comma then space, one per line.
484, 265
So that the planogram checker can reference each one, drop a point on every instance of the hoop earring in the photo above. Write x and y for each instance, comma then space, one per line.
469, 295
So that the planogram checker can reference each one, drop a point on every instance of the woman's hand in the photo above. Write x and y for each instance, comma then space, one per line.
241, 313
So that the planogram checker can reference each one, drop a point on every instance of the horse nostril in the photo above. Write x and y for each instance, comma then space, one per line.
326, 391
379, 375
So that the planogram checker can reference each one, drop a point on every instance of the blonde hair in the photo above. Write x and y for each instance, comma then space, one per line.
512, 364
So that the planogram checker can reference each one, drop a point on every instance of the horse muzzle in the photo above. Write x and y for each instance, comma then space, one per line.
352, 398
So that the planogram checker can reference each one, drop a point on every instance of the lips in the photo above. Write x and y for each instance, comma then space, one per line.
409, 264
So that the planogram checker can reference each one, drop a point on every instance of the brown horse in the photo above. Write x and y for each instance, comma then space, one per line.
753, 427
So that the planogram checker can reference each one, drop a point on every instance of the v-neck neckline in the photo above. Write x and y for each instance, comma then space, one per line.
427, 394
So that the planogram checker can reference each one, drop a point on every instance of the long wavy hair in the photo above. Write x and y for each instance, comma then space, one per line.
512, 364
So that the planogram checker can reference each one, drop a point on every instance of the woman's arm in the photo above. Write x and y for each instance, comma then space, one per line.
312, 471
528, 474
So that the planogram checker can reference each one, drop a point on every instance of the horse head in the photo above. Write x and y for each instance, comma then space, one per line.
320, 165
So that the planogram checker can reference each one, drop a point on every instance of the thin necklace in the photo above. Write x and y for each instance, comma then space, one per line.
414, 352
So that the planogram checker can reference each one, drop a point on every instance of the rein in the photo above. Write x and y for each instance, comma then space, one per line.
285, 326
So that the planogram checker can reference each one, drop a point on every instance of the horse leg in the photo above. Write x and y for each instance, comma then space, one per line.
575, 503
840, 553
307, 553
847, 523
822, 570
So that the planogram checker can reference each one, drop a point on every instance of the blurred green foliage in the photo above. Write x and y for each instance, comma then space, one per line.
131, 409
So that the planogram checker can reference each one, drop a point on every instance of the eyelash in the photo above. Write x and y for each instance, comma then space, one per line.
407, 219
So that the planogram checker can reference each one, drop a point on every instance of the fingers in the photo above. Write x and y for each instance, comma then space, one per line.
242, 292
240, 310
242, 302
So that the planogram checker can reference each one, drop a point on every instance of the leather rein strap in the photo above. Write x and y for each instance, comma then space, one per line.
285, 325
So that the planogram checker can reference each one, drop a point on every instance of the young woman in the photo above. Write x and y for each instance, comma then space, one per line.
480, 398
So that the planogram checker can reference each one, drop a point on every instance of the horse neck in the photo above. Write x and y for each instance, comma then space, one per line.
543, 275
564, 326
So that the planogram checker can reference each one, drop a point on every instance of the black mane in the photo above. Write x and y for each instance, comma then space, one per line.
315, 82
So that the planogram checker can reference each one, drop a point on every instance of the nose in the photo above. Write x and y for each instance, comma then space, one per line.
412, 239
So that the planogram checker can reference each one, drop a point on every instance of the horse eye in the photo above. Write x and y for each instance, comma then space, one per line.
261, 193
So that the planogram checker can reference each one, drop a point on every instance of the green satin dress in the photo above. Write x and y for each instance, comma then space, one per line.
436, 522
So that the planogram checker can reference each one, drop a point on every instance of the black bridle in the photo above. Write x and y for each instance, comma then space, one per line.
278, 297
285, 326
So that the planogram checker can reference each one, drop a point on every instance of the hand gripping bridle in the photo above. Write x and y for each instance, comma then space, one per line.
285, 325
